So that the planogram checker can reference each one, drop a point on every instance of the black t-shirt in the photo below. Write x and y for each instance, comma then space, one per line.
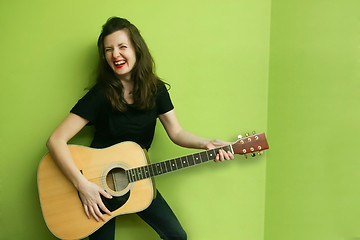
112, 126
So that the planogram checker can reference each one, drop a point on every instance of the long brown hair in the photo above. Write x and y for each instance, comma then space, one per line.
145, 80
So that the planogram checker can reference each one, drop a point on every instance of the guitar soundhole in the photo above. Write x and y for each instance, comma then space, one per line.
116, 179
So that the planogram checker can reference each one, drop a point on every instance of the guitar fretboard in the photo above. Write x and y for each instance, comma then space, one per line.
154, 169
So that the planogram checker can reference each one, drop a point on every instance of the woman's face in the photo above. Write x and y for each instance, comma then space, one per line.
120, 54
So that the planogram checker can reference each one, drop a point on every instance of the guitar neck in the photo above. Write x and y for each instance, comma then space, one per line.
154, 169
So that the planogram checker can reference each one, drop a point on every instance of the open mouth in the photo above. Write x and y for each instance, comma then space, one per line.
119, 64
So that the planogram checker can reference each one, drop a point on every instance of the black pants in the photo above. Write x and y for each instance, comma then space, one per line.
158, 215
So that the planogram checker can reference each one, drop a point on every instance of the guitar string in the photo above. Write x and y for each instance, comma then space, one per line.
158, 164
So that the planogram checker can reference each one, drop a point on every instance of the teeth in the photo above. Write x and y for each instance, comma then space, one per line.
120, 62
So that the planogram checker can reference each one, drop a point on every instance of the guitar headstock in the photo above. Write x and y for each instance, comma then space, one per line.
251, 144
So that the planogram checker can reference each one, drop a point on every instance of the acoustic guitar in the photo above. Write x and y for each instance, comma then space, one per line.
124, 171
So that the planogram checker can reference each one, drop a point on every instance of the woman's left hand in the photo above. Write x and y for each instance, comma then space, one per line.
222, 155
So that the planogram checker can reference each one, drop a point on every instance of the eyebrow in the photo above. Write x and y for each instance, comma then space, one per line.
120, 44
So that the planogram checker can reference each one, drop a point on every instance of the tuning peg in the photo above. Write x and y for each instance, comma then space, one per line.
253, 132
245, 156
260, 153
253, 154
247, 134
239, 136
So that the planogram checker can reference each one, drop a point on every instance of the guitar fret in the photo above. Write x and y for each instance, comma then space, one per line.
136, 176
147, 174
184, 162
128, 175
140, 174
156, 169
204, 157
168, 166
143, 172
178, 163
159, 169
133, 174
151, 170
147, 171
163, 167
191, 160
138, 171
163, 170
173, 165
197, 158
151, 166
211, 154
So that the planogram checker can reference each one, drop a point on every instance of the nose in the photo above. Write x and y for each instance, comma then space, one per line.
116, 53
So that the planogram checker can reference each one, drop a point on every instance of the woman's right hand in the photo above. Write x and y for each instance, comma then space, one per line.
90, 196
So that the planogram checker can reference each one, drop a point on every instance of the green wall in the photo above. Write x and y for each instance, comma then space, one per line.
289, 68
215, 56
312, 177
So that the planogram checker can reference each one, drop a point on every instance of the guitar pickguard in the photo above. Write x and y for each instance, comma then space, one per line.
116, 202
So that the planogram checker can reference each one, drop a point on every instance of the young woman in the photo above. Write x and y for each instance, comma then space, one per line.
124, 106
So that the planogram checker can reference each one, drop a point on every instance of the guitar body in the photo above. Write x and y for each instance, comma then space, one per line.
60, 202
124, 171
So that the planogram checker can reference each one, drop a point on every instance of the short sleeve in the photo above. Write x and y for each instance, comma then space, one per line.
90, 105
163, 101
